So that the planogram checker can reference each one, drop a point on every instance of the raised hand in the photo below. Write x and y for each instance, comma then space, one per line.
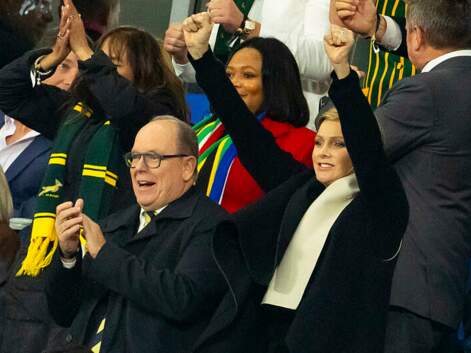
357, 15
174, 43
226, 13
338, 45
197, 30
61, 47
94, 236
68, 222
77, 38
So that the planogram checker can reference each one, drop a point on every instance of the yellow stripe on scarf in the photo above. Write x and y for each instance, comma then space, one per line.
85, 111
40, 252
58, 158
217, 159
97, 171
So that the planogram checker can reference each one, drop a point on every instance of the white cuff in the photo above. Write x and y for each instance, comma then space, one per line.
184, 71
392, 38
68, 263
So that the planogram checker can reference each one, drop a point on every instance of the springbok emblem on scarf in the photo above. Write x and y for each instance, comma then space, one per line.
51, 189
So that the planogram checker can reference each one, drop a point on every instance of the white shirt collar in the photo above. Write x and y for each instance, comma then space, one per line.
142, 219
433, 63
9, 129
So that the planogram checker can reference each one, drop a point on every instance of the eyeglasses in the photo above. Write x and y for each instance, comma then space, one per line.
151, 159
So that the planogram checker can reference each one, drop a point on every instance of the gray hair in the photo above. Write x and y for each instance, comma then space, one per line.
446, 23
6, 203
186, 140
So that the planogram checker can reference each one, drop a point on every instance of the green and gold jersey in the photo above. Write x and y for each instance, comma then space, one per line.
384, 69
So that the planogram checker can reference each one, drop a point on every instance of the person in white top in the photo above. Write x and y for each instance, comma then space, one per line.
300, 24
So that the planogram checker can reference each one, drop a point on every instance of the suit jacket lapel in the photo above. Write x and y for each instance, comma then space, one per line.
259, 224
294, 212
39, 146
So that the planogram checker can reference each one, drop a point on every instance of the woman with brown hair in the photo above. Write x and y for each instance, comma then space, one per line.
119, 88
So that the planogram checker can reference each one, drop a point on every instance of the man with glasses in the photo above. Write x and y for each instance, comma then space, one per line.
145, 280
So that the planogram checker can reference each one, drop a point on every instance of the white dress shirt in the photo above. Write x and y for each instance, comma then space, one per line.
9, 153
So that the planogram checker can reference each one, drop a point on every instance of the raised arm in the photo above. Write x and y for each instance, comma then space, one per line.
361, 17
379, 184
37, 107
256, 147
126, 107
303, 37
23, 97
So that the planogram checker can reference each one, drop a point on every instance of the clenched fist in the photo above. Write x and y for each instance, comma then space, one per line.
174, 43
197, 30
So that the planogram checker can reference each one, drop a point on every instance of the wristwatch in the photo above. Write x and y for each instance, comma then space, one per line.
243, 32
246, 28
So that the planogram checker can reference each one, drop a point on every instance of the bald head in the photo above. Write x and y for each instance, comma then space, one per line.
158, 184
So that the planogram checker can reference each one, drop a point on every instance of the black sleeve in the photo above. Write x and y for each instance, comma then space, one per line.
194, 287
63, 287
257, 149
38, 107
126, 107
379, 184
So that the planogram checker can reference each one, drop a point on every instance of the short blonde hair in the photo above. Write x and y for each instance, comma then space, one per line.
331, 114
6, 202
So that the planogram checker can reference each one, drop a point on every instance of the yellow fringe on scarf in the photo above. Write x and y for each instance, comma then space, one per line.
40, 252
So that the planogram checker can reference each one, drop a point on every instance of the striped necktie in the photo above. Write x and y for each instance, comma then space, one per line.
95, 344
148, 217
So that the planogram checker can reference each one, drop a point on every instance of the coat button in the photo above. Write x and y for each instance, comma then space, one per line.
68, 338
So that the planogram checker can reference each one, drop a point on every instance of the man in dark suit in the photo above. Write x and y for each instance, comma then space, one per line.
425, 122
147, 281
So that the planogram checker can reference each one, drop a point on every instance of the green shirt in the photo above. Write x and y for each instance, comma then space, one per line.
384, 69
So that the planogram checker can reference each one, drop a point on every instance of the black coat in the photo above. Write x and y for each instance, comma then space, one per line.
161, 285
27, 326
345, 304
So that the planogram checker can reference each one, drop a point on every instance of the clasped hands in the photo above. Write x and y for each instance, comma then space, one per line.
71, 37
223, 12
71, 222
